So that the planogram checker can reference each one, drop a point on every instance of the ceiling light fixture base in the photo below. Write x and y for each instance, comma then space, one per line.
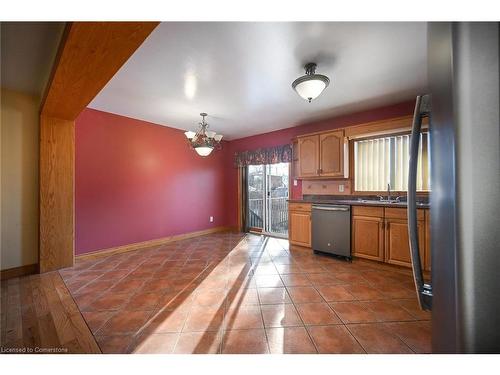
310, 68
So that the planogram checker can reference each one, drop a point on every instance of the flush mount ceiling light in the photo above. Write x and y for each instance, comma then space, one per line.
311, 85
204, 141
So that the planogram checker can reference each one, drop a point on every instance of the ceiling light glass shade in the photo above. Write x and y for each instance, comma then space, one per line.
311, 88
310, 85
218, 137
190, 134
203, 151
210, 134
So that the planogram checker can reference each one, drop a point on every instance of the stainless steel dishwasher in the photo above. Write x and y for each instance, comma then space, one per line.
331, 229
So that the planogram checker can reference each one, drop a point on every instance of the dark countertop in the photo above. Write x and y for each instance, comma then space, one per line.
356, 202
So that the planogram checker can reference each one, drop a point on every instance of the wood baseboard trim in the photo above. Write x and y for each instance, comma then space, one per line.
150, 243
10, 273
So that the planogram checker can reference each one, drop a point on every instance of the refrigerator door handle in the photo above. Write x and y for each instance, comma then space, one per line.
424, 291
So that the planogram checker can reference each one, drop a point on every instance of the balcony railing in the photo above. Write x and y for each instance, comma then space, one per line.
278, 214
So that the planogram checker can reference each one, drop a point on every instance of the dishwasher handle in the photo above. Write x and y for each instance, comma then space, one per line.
323, 208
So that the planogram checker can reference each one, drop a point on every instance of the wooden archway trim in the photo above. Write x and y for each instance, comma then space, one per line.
89, 55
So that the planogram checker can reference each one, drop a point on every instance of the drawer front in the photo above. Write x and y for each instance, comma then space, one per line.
401, 213
368, 211
299, 207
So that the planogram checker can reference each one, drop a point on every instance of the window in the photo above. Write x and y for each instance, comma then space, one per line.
385, 160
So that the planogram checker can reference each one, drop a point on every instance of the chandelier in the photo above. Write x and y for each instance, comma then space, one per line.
310, 85
204, 141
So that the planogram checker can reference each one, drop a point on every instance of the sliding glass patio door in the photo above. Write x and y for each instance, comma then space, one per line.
267, 192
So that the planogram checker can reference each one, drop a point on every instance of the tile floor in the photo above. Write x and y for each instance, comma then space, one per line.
237, 293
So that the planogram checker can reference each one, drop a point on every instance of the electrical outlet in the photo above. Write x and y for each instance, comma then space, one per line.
211, 219
295, 182
341, 188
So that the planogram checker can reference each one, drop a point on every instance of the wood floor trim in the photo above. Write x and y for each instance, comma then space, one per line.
150, 243
25, 270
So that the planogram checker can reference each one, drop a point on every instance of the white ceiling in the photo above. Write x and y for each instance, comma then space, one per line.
241, 73
28, 50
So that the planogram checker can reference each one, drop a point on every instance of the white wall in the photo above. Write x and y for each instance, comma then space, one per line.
19, 179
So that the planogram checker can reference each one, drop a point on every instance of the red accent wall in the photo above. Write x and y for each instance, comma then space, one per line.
284, 136
137, 181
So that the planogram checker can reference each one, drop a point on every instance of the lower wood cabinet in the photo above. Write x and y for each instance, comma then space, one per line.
382, 234
377, 233
397, 247
299, 224
368, 237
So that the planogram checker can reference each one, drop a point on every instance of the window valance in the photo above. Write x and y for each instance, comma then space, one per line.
271, 155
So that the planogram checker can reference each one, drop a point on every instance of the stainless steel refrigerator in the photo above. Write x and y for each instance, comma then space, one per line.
462, 105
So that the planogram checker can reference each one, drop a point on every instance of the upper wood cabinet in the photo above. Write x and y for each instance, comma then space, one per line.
308, 156
295, 159
331, 154
322, 155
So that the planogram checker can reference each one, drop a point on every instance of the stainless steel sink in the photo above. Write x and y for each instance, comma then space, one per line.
380, 201
376, 202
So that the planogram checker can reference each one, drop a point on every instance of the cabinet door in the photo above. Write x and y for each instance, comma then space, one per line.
295, 159
331, 151
309, 156
427, 252
368, 237
397, 247
299, 230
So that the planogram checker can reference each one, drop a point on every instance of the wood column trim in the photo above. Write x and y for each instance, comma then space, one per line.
57, 191
89, 55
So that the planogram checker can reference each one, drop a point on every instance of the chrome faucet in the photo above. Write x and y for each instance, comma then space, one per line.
389, 199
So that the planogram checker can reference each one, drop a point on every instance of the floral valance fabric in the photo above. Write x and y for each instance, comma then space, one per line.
278, 154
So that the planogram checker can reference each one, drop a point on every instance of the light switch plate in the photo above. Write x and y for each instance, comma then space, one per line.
295, 182
341, 188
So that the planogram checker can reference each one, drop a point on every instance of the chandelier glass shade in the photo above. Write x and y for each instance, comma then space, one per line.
204, 141
310, 85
